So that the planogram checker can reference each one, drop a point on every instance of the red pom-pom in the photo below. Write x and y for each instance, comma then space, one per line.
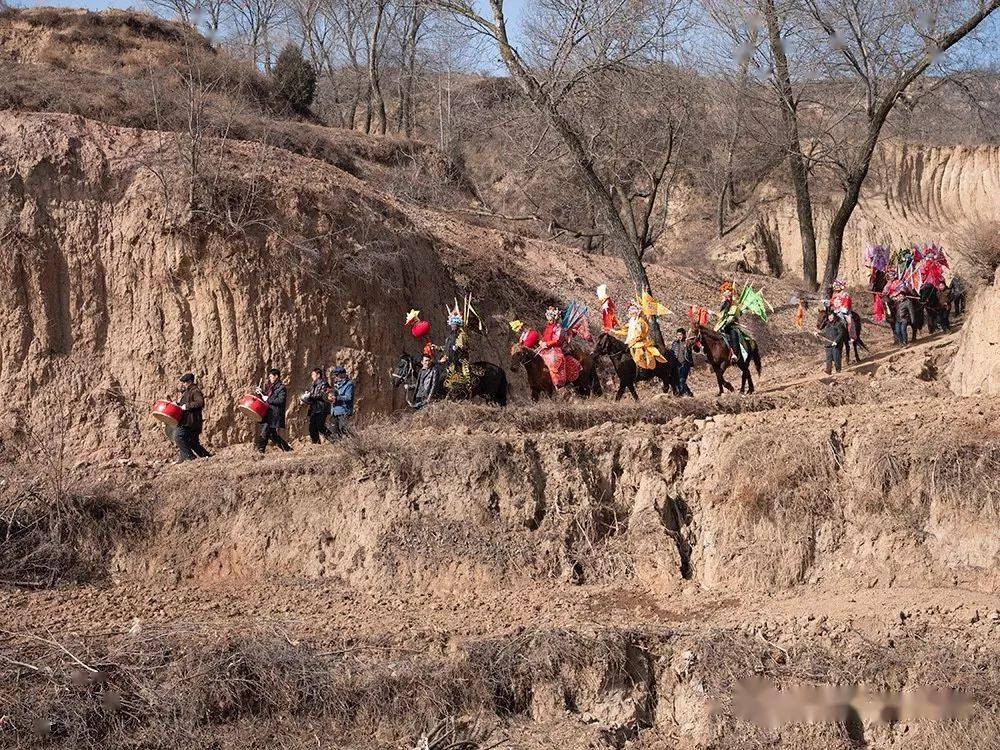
420, 329
530, 338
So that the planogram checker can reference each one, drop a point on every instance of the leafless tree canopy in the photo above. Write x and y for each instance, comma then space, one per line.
584, 118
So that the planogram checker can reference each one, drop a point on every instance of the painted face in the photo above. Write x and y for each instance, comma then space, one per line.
551, 315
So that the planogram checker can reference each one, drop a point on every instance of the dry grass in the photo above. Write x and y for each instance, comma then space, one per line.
949, 468
980, 246
55, 527
169, 689
778, 474
909, 660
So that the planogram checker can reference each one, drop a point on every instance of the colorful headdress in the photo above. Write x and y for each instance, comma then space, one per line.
459, 315
727, 286
413, 316
551, 313
516, 326
877, 257
649, 306
633, 310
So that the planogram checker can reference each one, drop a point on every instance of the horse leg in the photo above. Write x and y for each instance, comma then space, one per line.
748, 378
635, 394
723, 383
621, 390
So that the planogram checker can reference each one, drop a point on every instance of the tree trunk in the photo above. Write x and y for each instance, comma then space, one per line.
616, 236
375, 98
797, 164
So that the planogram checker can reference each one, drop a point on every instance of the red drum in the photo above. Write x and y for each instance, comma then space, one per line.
253, 407
530, 338
167, 412
420, 329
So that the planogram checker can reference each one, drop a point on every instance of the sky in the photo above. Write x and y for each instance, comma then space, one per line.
513, 7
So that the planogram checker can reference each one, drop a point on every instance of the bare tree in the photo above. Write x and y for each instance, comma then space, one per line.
255, 22
570, 43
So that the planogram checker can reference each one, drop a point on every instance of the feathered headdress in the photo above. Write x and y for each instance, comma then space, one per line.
464, 314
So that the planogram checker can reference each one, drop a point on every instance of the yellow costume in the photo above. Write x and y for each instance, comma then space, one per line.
637, 338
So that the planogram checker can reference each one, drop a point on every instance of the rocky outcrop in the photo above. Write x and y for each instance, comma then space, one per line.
913, 194
976, 367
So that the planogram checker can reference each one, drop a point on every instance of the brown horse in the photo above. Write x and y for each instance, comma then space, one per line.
539, 380
717, 353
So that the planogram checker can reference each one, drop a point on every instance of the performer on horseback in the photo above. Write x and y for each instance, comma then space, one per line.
609, 315
840, 305
639, 341
563, 368
455, 353
729, 318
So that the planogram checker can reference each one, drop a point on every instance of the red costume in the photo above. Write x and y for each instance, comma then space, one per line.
609, 316
563, 368
841, 302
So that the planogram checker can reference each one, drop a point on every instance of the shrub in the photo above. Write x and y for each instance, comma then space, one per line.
980, 246
295, 79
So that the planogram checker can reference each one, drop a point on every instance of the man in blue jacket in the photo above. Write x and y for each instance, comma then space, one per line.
342, 398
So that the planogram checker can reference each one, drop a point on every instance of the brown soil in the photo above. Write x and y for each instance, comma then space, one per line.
565, 574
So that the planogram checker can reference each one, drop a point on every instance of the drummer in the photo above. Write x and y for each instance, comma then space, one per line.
187, 434
274, 393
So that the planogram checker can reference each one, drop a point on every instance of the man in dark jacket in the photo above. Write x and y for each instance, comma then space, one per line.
342, 400
275, 395
833, 335
319, 406
187, 434
685, 360
428, 382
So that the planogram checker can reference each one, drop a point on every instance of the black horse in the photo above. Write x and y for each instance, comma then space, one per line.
629, 373
851, 338
488, 381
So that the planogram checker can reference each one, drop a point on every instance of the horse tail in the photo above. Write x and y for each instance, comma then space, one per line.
755, 356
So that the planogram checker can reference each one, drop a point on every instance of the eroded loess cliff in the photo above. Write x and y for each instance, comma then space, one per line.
762, 501
118, 275
976, 367
914, 194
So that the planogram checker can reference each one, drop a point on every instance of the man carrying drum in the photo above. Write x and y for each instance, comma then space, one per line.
187, 434
274, 394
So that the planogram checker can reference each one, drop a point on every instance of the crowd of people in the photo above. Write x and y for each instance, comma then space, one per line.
910, 287
903, 284
329, 403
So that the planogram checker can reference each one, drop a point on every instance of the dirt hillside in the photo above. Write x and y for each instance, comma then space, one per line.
977, 367
565, 574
